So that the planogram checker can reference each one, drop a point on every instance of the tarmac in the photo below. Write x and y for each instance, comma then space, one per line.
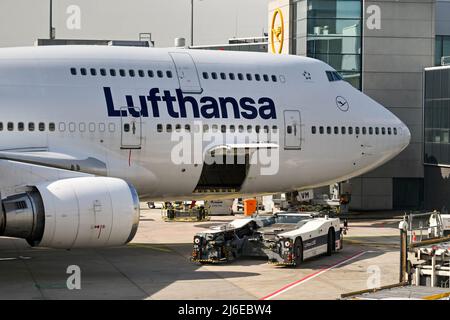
156, 265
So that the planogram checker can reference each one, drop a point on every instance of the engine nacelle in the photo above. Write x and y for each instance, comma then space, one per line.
73, 213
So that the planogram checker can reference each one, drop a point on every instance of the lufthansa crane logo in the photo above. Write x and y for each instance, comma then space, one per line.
277, 31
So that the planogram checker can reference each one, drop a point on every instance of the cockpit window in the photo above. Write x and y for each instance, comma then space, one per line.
333, 76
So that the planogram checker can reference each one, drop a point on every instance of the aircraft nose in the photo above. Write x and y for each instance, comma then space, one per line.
406, 136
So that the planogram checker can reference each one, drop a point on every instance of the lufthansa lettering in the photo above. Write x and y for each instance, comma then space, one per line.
179, 105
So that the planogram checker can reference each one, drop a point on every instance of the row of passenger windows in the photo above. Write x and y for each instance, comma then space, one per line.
356, 130
31, 126
239, 76
62, 126
216, 128
121, 72
168, 74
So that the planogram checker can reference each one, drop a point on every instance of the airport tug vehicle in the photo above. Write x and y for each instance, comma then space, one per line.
285, 238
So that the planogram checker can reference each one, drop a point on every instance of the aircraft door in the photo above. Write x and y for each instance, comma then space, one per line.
186, 72
292, 130
131, 131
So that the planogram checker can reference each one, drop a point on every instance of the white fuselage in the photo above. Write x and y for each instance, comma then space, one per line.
293, 96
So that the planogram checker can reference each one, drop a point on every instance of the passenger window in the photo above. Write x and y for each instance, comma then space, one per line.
274, 129
101, 127
240, 76
73, 71
241, 128
257, 77
223, 76
383, 131
249, 129
350, 130
91, 127
274, 78
30, 126
328, 130
83, 71
321, 130
178, 128
364, 130
20, 126
112, 72
357, 130
93, 72
111, 127
257, 129
205, 75
62, 126
51, 126
249, 77
395, 131
389, 131
289, 129
10, 126
187, 128
141, 73
223, 128
232, 128
159, 128
169, 74
214, 75
103, 72
131, 73
150, 73
214, 128
159, 73
169, 128
266, 129
71, 127
313, 130
1, 126
126, 127
122, 73
343, 130
370, 130
231, 76
377, 130
266, 78
81, 127
336, 130
41, 126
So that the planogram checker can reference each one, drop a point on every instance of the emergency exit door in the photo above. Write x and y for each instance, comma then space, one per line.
186, 72
292, 129
131, 131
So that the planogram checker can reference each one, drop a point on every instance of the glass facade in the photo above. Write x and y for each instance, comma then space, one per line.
333, 35
437, 116
442, 49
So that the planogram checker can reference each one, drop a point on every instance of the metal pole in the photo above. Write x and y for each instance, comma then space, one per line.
192, 23
403, 226
51, 20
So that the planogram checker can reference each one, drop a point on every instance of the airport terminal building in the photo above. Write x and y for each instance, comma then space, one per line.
382, 48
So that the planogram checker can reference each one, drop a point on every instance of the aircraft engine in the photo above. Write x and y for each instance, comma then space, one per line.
73, 213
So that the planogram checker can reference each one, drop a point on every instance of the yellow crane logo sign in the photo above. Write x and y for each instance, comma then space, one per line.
277, 32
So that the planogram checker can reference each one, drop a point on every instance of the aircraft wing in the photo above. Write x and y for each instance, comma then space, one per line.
56, 160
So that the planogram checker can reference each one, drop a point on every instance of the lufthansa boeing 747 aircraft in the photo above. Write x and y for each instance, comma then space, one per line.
87, 131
